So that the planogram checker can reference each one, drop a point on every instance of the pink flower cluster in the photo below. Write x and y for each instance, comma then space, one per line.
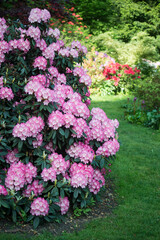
108, 148
20, 174
81, 175
6, 93
11, 158
35, 188
77, 108
38, 142
41, 44
3, 190
84, 78
29, 129
102, 128
49, 52
41, 63
58, 163
77, 45
21, 44
36, 86
97, 182
54, 33
3, 27
39, 207
48, 174
4, 47
34, 32
64, 205
82, 151
41, 79
1, 82
38, 15
57, 119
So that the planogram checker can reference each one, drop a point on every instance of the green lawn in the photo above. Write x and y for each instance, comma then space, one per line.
136, 174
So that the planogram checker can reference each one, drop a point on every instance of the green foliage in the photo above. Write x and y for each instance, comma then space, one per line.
140, 46
97, 15
136, 112
148, 88
124, 17
79, 211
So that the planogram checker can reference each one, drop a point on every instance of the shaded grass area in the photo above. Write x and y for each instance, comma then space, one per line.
136, 174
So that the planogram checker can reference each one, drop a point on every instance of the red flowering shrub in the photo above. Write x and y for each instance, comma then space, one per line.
123, 76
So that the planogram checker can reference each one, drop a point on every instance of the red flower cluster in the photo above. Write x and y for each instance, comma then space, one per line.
117, 71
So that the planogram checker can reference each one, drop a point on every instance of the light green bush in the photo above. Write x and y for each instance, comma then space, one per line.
141, 46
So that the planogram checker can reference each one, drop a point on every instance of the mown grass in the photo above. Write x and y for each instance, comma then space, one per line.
136, 174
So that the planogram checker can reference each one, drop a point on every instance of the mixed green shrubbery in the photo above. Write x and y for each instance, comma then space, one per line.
140, 46
137, 112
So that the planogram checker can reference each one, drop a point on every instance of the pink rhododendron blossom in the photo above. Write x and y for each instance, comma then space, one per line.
76, 44
29, 129
45, 15
40, 62
108, 148
2, 57
1, 82
64, 52
23, 45
11, 158
48, 174
35, 188
73, 53
4, 47
3, 28
69, 120
77, 108
38, 15
64, 205
53, 71
41, 44
97, 182
39, 207
54, 33
15, 178
6, 93
56, 120
49, 52
38, 142
82, 151
30, 172
81, 175
3, 190
58, 163
34, 32
41, 79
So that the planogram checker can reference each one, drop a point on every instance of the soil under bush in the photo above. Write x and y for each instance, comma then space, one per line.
72, 223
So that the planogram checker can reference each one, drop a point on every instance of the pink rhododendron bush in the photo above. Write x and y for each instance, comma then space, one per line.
53, 150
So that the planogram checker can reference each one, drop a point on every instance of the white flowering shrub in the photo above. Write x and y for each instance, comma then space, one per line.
53, 150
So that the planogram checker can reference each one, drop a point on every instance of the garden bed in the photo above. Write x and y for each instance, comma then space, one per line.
72, 223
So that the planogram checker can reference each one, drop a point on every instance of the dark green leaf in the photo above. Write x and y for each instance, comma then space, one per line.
36, 222
76, 191
20, 145
71, 141
54, 191
66, 133
61, 131
14, 216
